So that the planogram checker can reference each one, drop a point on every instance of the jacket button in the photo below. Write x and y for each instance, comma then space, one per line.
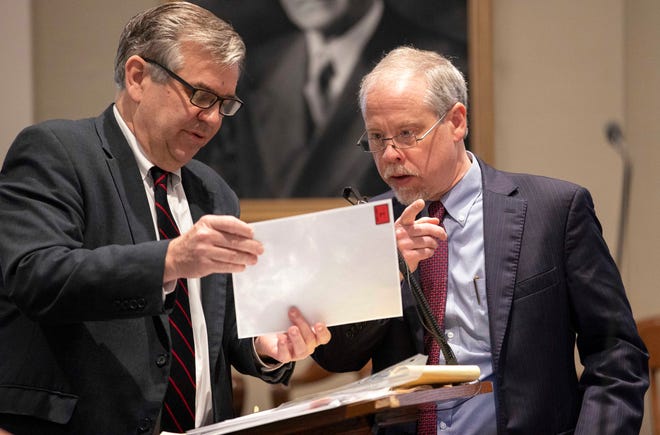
145, 425
161, 360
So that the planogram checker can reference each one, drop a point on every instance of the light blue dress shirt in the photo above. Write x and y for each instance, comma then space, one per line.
466, 314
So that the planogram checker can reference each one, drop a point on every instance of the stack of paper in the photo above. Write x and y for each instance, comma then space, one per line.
410, 372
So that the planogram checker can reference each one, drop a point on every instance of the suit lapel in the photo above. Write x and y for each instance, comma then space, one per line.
213, 301
279, 115
130, 188
504, 220
126, 175
197, 194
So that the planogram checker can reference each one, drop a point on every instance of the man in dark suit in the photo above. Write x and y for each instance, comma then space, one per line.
526, 272
299, 138
89, 292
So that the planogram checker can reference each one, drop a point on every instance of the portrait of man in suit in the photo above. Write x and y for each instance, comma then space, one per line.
297, 134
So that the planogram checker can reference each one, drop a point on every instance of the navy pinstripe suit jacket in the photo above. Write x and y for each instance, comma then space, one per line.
550, 281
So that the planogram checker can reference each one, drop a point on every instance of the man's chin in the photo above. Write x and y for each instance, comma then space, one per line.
184, 156
407, 196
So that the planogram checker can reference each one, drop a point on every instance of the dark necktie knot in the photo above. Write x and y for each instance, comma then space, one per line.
167, 227
318, 95
160, 178
437, 210
325, 76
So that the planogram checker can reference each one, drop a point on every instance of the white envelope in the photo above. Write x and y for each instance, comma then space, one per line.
337, 266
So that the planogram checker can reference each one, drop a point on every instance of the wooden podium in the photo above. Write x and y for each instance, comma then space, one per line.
358, 417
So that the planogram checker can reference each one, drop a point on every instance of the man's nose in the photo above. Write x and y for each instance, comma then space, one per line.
391, 151
210, 115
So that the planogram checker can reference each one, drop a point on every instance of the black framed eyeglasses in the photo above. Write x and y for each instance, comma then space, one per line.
376, 143
201, 97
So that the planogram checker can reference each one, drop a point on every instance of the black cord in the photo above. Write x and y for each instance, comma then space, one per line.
424, 313
353, 196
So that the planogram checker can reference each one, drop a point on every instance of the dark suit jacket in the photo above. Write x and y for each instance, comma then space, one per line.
267, 150
549, 278
84, 337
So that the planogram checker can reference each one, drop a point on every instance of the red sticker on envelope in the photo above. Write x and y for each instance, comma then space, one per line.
382, 213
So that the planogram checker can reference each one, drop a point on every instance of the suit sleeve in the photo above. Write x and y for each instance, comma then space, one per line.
58, 265
615, 360
351, 346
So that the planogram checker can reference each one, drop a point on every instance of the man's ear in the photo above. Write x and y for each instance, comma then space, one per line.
458, 117
135, 73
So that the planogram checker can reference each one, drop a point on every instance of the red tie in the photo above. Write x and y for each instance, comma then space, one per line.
433, 277
179, 406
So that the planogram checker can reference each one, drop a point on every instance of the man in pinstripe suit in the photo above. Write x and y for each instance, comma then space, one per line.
529, 273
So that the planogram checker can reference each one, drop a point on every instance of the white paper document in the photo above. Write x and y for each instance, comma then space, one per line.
337, 266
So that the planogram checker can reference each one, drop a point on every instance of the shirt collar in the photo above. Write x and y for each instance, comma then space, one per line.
459, 200
143, 162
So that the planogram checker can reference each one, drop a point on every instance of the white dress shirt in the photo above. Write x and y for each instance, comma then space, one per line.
178, 203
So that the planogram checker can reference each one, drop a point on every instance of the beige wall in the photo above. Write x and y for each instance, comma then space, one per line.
75, 43
562, 70
15, 70
642, 116
642, 111
558, 72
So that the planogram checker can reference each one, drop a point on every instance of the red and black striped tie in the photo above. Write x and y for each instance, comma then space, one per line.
179, 406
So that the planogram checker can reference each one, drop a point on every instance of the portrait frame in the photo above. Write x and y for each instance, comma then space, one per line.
481, 120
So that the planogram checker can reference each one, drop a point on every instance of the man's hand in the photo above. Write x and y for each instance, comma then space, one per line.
215, 244
417, 239
297, 343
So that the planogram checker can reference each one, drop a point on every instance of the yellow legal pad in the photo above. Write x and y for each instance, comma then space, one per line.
413, 375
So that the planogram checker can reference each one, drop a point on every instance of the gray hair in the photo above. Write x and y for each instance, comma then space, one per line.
446, 84
159, 33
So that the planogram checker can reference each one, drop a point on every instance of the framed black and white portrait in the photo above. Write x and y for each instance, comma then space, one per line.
296, 135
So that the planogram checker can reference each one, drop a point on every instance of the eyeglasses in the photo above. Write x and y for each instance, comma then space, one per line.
202, 98
375, 142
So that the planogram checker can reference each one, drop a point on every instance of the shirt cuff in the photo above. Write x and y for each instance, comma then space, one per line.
168, 288
270, 365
